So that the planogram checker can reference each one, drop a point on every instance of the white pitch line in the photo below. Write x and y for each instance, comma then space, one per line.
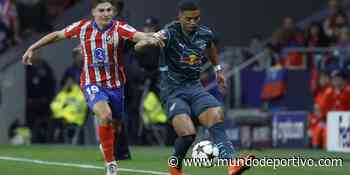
85, 166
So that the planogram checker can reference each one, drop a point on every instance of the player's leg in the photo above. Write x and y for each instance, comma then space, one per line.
186, 134
98, 101
178, 112
213, 119
106, 135
210, 115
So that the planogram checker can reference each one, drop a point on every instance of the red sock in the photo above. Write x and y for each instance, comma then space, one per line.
106, 134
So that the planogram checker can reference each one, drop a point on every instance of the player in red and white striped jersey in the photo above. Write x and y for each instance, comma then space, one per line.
102, 51
102, 77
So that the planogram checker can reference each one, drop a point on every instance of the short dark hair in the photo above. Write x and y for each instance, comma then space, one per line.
188, 5
94, 3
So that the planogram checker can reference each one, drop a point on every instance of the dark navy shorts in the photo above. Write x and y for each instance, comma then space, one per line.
114, 97
187, 98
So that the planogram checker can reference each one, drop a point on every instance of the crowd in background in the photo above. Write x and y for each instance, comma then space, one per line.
20, 18
322, 48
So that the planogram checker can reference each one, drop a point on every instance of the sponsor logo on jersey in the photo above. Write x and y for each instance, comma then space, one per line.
100, 54
191, 60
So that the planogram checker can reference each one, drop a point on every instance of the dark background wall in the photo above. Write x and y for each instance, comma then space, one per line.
234, 21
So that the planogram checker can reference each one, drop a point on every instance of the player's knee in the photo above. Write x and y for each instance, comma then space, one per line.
217, 116
183, 125
105, 115
186, 132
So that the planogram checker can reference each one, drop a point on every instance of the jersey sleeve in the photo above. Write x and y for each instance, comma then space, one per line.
126, 31
73, 30
165, 32
211, 38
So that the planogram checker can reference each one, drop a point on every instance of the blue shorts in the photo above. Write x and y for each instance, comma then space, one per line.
187, 98
217, 94
114, 97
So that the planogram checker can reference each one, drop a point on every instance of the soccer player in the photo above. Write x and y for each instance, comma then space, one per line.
102, 77
182, 94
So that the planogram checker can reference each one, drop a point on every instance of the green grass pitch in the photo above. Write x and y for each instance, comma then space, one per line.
144, 159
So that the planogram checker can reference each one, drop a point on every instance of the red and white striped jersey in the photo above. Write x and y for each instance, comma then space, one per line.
102, 51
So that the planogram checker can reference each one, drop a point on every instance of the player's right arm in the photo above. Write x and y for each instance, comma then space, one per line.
71, 31
46, 40
152, 41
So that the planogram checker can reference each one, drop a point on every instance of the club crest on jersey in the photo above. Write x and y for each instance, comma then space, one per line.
109, 39
100, 54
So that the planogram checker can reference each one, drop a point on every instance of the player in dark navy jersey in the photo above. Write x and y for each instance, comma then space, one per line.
185, 100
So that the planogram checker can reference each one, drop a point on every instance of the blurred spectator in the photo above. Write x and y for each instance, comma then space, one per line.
334, 6
292, 37
74, 70
18, 133
147, 63
343, 49
273, 49
317, 128
333, 98
322, 82
8, 15
69, 107
40, 91
33, 16
151, 25
4, 37
291, 34
338, 97
315, 36
148, 60
317, 119
334, 24
154, 120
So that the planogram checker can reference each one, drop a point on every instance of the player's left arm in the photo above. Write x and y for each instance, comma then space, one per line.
213, 56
